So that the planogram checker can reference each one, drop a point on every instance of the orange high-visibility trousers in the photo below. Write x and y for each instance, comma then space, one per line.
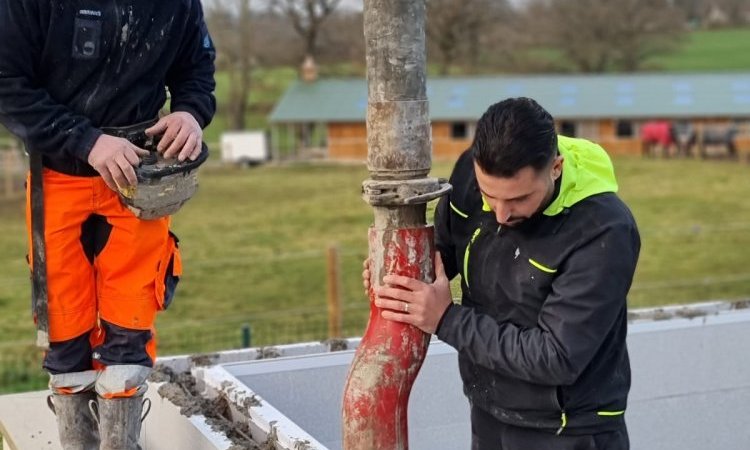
108, 273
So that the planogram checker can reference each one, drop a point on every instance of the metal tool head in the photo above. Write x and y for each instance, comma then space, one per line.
164, 185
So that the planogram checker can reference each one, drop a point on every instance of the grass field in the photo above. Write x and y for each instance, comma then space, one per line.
708, 51
254, 241
701, 51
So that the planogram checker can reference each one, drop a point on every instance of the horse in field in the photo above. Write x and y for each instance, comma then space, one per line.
657, 137
717, 135
661, 136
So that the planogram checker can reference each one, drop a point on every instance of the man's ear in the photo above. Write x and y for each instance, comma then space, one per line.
557, 167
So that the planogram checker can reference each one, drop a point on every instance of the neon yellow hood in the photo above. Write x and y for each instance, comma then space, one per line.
587, 170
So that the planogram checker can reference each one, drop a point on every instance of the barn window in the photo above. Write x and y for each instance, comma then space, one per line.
624, 129
568, 128
459, 130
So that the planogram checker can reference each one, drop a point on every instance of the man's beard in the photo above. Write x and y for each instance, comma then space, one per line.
516, 221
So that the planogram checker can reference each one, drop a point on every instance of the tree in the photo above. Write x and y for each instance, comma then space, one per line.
230, 24
604, 35
693, 10
307, 17
698, 12
737, 11
455, 29
643, 33
275, 43
341, 39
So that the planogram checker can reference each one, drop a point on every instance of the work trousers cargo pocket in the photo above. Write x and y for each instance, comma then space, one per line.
168, 273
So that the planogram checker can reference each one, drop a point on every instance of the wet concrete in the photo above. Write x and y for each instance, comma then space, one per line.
268, 353
181, 390
700, 310
204, 359
336, 345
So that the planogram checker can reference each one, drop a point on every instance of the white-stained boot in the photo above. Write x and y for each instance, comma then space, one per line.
76, 426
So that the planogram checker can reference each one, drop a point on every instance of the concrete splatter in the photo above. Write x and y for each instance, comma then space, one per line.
181, 390
204, 360
268, 353
335, 345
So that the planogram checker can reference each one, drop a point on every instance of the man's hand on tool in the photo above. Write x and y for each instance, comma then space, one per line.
413, 301
114, 159
181, 136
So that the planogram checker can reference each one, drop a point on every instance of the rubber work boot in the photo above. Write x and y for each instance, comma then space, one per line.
77, 428
120, 421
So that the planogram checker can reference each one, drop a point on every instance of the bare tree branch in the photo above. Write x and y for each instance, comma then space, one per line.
455, 30
306, 17
604, 35
229, 23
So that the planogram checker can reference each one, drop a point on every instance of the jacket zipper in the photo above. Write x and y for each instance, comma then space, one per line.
563, 423
466, 255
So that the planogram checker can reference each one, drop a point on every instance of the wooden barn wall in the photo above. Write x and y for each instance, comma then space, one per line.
348, 141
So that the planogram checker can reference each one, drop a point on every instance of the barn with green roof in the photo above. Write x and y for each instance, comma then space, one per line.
329, 114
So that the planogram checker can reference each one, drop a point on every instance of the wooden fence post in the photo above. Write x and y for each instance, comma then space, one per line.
334, 293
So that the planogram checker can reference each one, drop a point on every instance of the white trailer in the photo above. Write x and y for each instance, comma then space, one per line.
244, 147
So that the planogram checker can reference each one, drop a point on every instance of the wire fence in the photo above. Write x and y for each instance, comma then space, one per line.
13, 168
21, 362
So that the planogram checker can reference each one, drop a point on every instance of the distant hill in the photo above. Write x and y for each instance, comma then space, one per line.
710, 51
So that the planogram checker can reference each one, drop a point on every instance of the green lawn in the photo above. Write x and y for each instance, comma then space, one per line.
254, 240
700, 51
710, 51
694, 220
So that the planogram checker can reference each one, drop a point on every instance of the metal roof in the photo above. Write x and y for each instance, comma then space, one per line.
564, 96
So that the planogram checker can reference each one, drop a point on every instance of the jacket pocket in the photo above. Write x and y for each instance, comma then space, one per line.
458, 211
168, 272
87, 38
523, 396
535, 282
484, 386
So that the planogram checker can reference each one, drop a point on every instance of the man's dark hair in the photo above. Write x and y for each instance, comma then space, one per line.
513, 134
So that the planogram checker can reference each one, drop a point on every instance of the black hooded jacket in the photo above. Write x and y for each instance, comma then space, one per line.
541, 330
70, 67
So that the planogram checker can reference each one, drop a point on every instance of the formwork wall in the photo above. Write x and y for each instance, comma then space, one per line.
690, 388
690, 392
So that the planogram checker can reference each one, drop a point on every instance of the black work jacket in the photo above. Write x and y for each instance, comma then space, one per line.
541, 333
70, 67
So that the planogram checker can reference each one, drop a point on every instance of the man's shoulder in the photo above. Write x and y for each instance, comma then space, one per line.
464, 167
606, 209
465, 196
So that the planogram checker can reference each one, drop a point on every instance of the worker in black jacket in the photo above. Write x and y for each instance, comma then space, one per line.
541, 334
73, 74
